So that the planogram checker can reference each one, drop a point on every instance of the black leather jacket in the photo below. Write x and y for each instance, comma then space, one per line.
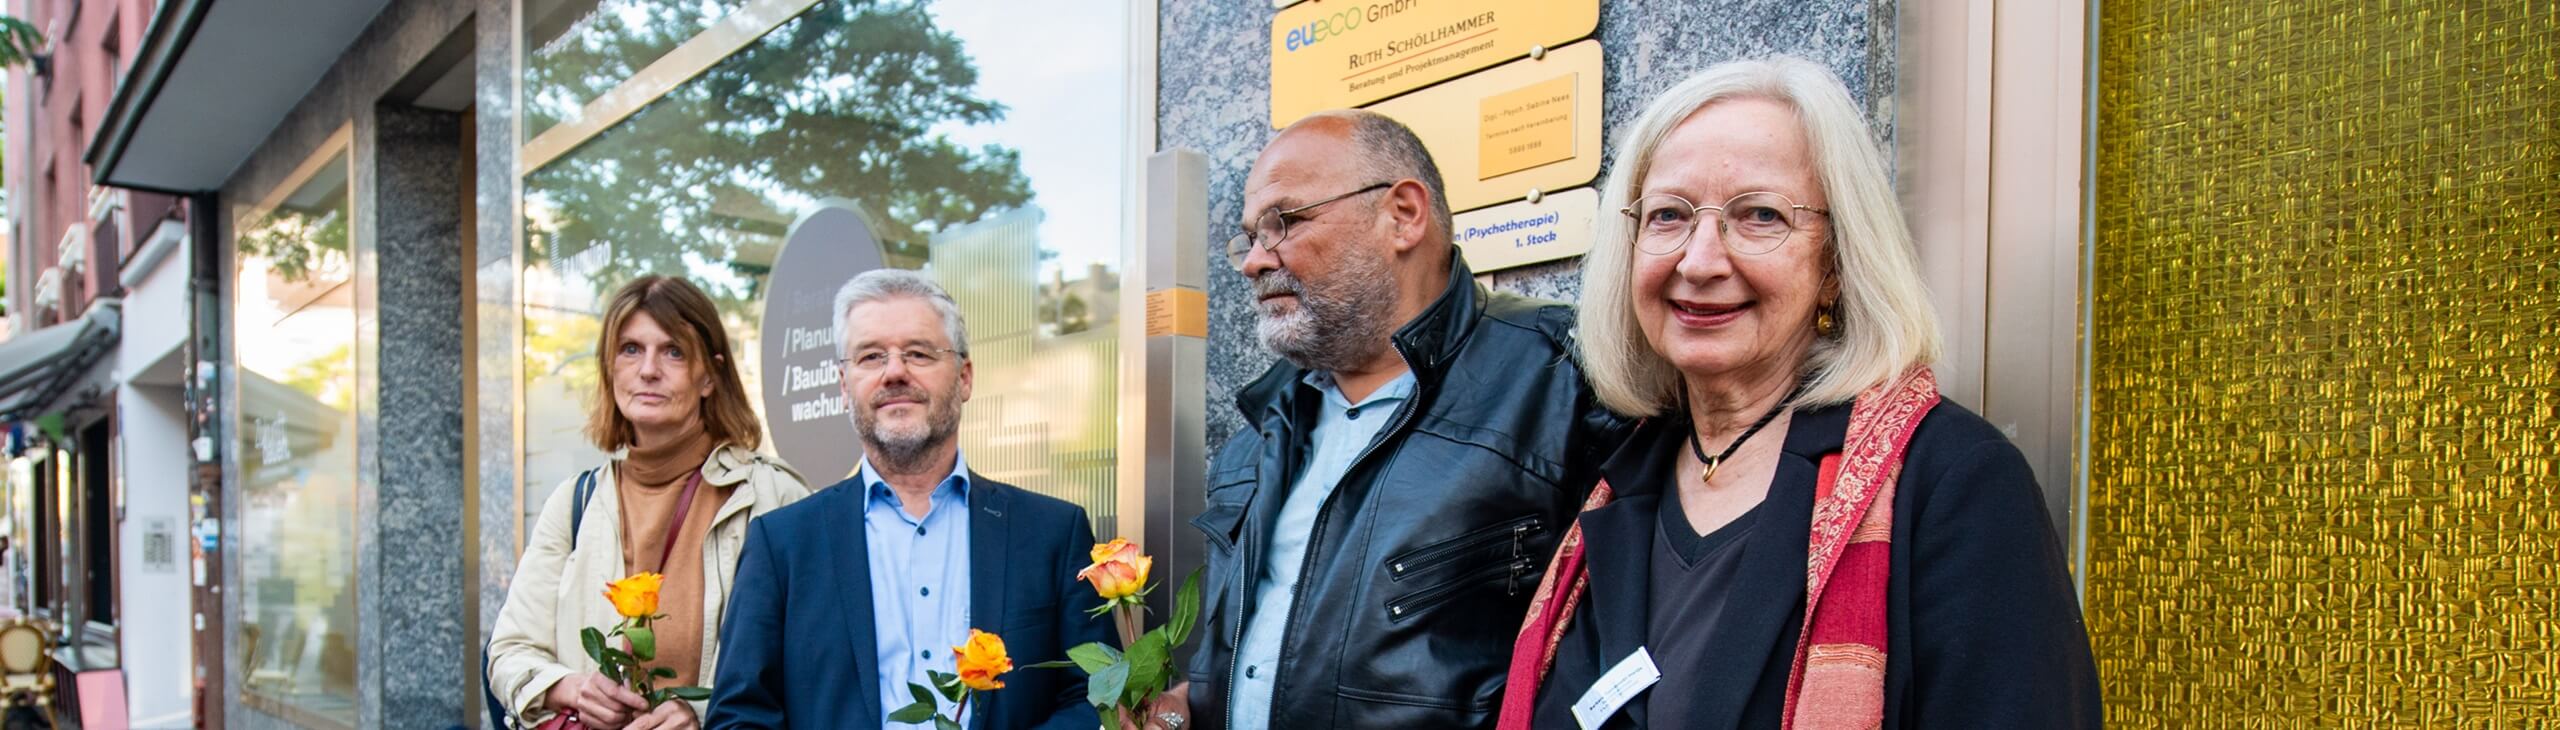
1423, 560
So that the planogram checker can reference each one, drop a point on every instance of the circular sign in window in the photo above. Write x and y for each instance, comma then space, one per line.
805, 411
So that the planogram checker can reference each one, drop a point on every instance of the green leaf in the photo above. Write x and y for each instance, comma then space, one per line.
1107, 684
940, 723
1092, 657
923, 696
644, 642
1146, 660
663, 672
911, 714
1186, 609
620, 658
1059, 664
948, 683
18, 41
594, 641
690, 694
1101, 609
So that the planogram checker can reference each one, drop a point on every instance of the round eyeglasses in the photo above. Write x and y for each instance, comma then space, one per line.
1752, 223
1272, 228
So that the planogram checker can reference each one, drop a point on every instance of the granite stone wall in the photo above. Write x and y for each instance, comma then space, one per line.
414, 642
1214, 95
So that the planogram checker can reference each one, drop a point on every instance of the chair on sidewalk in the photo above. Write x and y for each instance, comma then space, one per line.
26, 674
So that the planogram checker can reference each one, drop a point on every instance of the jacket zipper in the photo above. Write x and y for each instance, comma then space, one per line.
1413, 603
1315, 540
1246, 560
1235, 657
1436, 555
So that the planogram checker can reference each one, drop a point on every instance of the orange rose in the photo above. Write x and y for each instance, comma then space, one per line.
981, 661
1118, 571
636, 596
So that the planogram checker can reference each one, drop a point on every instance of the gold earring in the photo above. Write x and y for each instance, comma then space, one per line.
1824, 323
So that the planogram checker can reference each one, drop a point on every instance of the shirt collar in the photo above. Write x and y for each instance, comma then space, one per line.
956, 485
1397, 389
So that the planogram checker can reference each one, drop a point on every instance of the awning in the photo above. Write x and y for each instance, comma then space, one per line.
37, 366
210, 81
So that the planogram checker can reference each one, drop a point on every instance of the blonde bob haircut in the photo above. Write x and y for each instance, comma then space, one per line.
688, 317
1886, 325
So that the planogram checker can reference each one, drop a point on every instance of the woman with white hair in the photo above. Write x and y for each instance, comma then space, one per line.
1800, 533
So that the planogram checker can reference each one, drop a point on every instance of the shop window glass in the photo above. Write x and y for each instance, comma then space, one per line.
19, 565
576, 50
975, 149
296, 323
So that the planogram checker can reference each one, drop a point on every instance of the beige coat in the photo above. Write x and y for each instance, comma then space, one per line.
559, 591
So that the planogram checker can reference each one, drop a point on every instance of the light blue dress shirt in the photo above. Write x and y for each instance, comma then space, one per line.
1343, 430
919, 582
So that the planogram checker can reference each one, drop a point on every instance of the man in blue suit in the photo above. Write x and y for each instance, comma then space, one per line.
845, 598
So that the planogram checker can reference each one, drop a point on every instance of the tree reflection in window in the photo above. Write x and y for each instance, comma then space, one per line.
580, 49
297, 325
298, 243
845, 101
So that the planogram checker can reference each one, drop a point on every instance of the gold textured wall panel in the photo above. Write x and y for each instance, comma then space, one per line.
2325, 352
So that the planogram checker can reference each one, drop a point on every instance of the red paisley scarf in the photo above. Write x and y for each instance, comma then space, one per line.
1837, 679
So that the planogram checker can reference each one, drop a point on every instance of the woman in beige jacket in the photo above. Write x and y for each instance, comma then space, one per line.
674, 499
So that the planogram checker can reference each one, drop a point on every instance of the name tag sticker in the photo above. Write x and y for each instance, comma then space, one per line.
1623, 682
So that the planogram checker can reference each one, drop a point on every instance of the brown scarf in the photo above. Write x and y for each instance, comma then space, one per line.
652, 480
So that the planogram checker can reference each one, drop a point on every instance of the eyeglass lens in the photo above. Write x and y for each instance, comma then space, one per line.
1752, 223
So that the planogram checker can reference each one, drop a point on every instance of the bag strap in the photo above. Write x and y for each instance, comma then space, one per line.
578, 496
675, 527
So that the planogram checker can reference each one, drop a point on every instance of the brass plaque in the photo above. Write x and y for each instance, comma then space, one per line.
1520, 233
1540, 119
1177, 311
1526, 128
1332, 55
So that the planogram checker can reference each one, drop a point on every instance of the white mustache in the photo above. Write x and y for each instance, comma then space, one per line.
1277, 281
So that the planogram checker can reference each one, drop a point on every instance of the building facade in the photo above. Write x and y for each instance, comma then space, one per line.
99, 511
312, 345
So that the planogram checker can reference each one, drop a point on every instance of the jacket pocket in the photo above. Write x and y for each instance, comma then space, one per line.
1036, 616
1423, 560
1221, 520
1515, 574
1221, 524
1397, 709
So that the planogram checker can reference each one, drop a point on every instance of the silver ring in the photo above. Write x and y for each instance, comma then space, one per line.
1172, 721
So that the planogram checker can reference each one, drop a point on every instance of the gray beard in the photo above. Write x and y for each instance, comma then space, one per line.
902, 455
905, 453
1336, 327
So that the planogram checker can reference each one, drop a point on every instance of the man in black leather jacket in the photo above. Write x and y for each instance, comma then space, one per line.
1373, 574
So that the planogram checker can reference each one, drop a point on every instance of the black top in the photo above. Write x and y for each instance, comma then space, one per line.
1983, 628
1692, 575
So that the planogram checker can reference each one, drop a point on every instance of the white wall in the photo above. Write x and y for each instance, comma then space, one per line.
155, 307
156, 618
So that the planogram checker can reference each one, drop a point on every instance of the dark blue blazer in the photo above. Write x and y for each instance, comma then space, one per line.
797, 648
